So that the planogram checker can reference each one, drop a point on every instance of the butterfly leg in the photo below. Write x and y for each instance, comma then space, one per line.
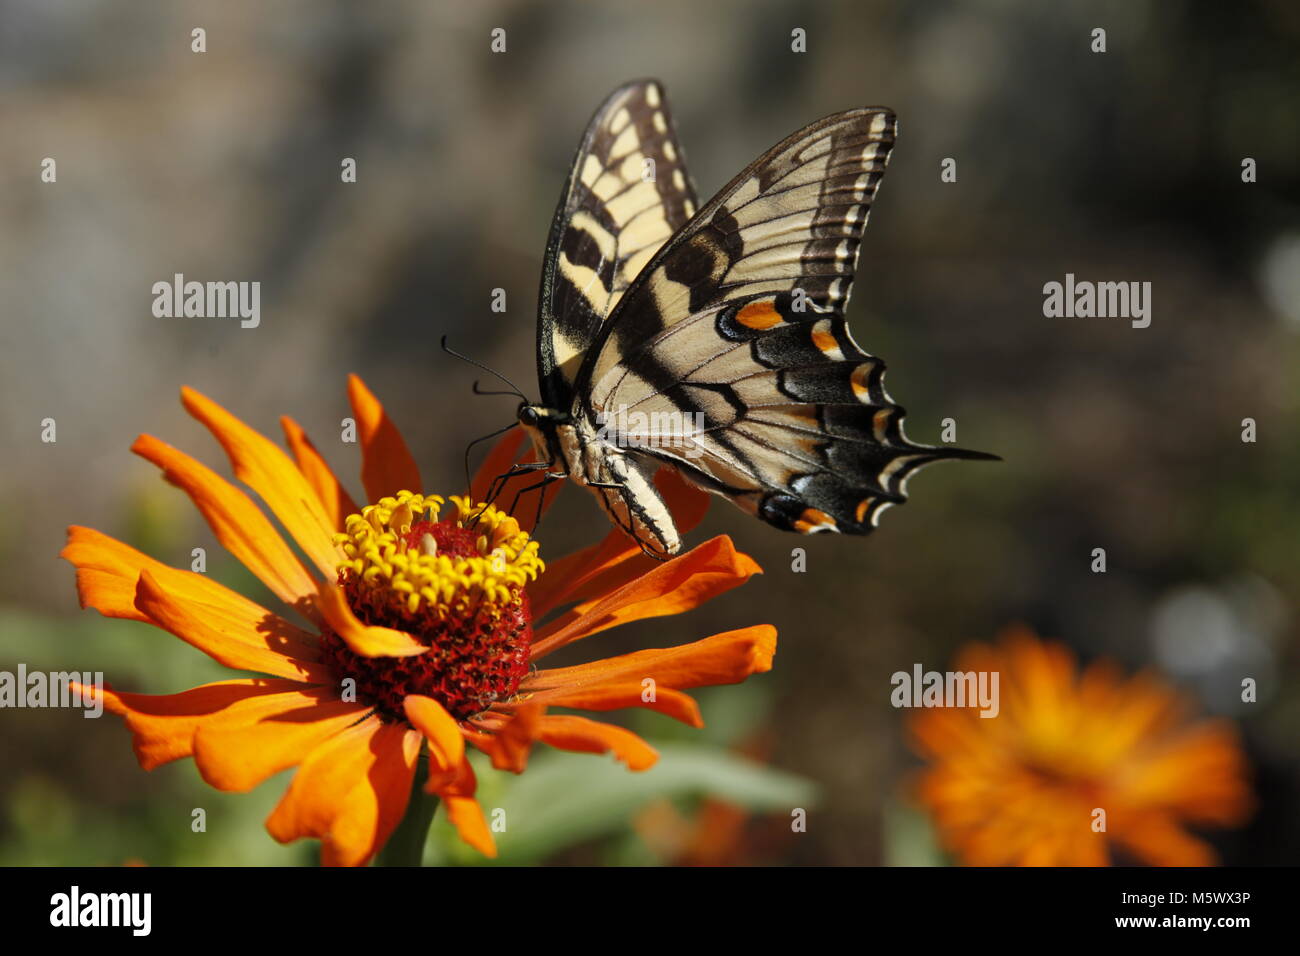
469, 484
541, 498
499, 482
628, 528
548, 478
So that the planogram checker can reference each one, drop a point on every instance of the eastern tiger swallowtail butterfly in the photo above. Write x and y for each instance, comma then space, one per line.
711, 339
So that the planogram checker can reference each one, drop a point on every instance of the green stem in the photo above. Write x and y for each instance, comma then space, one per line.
406, 846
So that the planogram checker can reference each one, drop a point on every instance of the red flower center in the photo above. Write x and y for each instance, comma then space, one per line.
476, 657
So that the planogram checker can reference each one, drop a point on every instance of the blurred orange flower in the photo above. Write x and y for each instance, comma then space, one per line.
713, 836
1021, 788
421, 632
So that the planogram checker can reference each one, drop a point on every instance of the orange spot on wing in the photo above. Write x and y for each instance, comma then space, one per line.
825, 341
812, 519
858, 380
759, 316
863, 507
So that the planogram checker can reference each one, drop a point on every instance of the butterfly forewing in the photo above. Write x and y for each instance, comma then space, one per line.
627, 193
793, 219
737, 326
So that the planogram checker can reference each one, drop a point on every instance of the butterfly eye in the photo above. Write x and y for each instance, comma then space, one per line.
528, 415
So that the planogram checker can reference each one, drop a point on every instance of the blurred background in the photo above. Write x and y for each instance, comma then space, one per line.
225, 165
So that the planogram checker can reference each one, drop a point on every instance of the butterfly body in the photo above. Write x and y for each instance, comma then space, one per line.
711, 340
621, 483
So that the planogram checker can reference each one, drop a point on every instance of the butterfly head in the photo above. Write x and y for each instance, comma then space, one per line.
530, 416
542, 425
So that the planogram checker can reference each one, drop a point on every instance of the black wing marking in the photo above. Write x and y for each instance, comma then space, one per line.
627, 193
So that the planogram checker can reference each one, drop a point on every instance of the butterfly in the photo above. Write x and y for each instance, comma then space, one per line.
711, 339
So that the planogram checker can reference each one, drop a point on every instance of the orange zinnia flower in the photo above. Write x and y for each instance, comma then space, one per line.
421, 632
1022, 788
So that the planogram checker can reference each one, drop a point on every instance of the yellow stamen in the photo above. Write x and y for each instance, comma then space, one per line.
379, 557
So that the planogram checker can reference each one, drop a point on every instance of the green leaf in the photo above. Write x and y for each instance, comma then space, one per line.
565, 799
909, 838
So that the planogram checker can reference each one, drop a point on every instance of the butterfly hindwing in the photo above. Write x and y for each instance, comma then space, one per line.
627, 193
737, 325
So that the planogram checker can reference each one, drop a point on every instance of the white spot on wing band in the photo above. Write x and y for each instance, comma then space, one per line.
887, 473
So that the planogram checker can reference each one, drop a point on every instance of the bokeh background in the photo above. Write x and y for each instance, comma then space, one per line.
225, 165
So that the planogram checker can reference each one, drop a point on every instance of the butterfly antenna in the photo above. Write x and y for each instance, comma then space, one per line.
514, 389
480, 391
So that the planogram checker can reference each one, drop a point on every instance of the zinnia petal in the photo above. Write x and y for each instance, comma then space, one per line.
1198, 773
512, 738
329, 490
1156, 838
368, 640
386, 463
255, 738
238, 523
446, 744
163, 725
615, 696
464, 812
261, 465
350, 792
675, 586
726, 658
585, 573
373, 810
227, 637
604, 567
589, 736
107, 572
